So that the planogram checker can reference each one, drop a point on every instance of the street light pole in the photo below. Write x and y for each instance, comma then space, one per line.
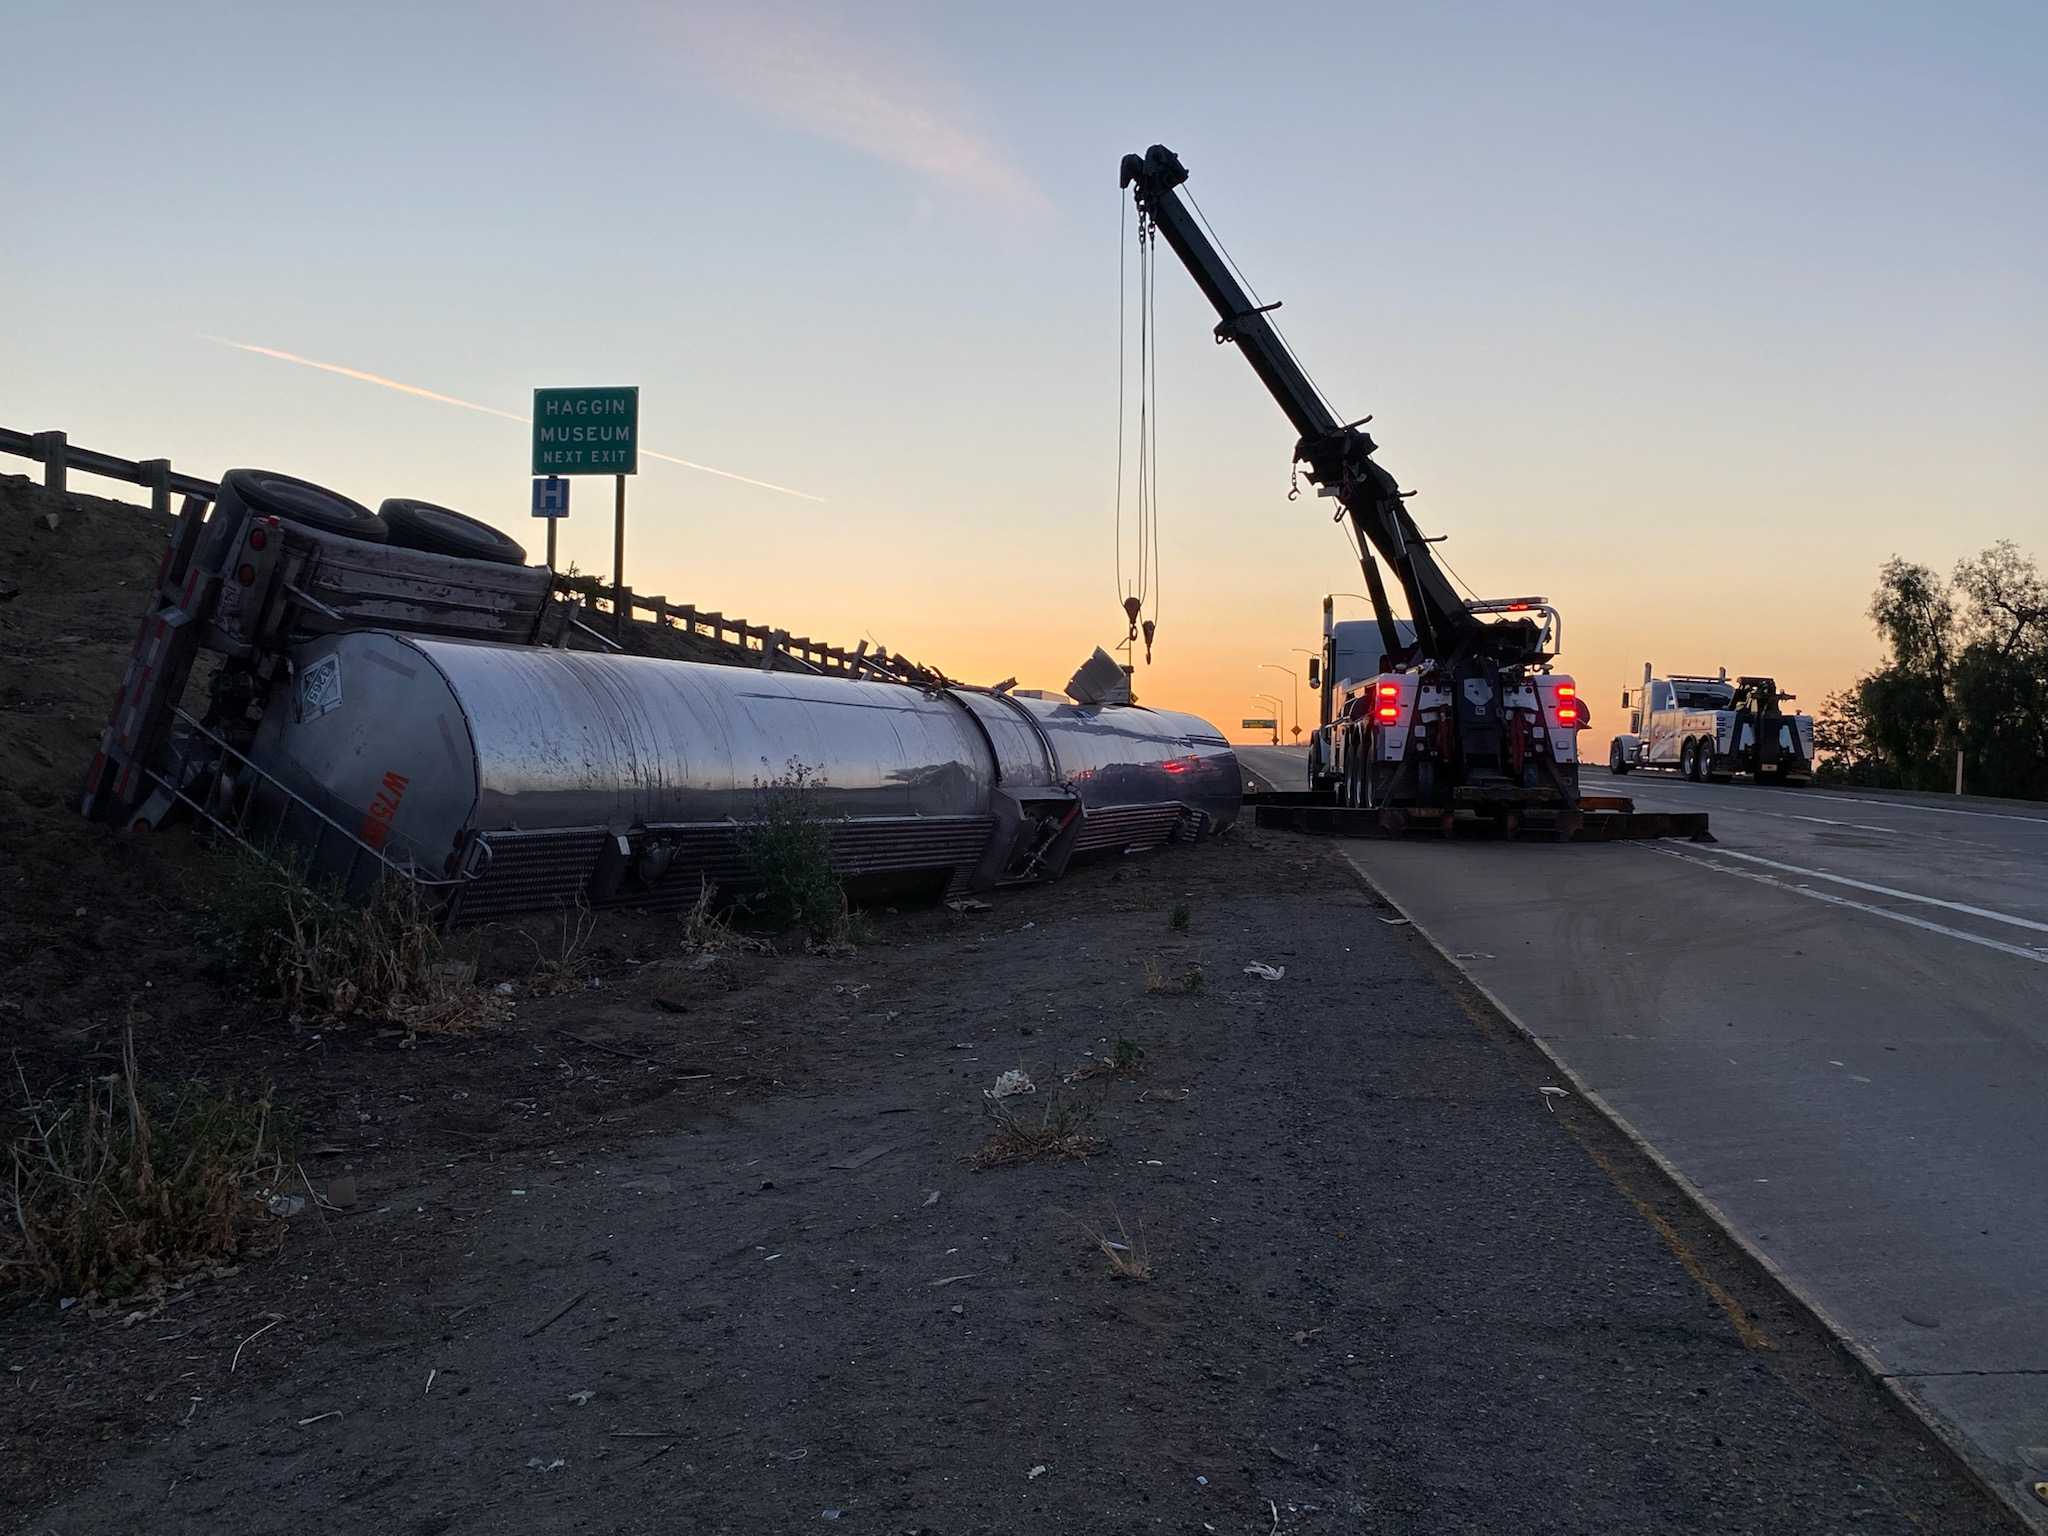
1297, 692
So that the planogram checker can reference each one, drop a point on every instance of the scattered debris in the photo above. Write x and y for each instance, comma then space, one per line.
1038, 1471
968, 904
1395, 922
949, 1279
275, 1319
286, 1205
582, 1399
1014, 1081
1264, 971
861, 1158
932, 1198
332, 1413
558, 1314
1550, 1093
537, 1465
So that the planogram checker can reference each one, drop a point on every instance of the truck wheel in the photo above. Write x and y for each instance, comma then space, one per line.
1688, 762
269, 494
444, 531
1616, 763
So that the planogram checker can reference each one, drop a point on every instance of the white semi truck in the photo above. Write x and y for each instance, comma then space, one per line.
1712, 728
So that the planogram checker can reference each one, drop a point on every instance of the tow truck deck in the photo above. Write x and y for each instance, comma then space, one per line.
1595, 819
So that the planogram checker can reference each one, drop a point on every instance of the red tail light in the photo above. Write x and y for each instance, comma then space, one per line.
1567, 690
258, 538
246, 575
1567, 714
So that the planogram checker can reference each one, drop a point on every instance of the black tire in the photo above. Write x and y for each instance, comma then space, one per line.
1688, 762
1616, 763
444, 531
269, 494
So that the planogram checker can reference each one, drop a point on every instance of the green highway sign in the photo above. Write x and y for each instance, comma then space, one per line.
1259, 725
586, 431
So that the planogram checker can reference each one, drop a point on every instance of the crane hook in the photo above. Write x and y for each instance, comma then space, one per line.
1150, 626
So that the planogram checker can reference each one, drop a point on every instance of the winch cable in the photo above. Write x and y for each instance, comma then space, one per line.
1122, 341
1140, 589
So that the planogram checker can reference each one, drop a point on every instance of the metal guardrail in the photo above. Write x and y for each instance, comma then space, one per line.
59, 457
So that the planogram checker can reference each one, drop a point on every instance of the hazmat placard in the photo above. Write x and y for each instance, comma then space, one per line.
586, 431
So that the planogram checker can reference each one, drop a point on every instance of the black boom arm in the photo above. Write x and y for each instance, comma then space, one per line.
1338, 455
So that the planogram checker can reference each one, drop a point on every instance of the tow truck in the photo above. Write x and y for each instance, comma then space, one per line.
1708, 729
1461, 710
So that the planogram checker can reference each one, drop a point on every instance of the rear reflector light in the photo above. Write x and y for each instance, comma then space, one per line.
1567, 690
1567, 714
246, 575
258, 538
1389, 712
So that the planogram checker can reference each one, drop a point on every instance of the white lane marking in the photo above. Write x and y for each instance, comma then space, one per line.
2039, 956
1827, 821
1886, 890
1946, 840
1833, 798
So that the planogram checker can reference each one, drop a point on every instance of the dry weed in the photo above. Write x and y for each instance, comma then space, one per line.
1060, 1129
1126, 1058
1128, 1257
133, 1184
1190, 980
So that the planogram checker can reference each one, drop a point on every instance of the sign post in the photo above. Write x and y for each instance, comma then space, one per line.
591, 432
551, 501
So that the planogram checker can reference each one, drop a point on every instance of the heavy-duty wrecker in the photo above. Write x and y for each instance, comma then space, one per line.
1712, 728
1462, 716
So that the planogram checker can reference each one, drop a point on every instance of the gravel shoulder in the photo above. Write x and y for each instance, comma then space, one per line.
719, 1262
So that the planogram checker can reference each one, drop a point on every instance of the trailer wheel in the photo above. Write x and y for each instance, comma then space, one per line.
1688, 760
269, 494
444, 531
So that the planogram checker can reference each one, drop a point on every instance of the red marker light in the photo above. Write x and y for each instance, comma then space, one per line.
258, 538
246, 575
1389, 712
1390, 690
1567, 690
1567, 714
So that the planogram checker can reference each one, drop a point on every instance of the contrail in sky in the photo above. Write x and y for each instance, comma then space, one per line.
488, 410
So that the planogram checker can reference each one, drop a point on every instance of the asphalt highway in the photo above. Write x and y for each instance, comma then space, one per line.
1832, 1022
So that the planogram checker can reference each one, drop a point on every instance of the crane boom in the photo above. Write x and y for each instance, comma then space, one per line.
1338, 454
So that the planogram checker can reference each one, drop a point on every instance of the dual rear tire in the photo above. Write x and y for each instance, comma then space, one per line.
1696, 759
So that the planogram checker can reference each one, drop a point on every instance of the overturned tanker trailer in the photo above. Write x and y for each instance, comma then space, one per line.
508, 777
534, 776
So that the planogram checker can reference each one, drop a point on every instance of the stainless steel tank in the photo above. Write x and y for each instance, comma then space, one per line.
548, 775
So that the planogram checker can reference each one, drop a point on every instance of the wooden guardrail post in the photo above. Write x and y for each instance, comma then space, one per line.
53, 448
156, 474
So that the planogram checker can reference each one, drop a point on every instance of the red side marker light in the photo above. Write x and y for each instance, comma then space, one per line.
246, 575
258, 538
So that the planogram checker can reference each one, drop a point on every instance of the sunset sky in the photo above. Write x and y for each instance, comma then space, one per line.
1685, 317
